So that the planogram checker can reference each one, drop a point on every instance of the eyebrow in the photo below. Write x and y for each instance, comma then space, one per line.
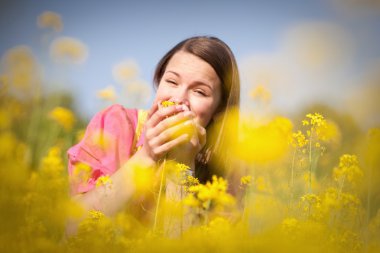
197, 82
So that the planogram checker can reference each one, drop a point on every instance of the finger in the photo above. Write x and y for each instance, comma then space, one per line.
153, 109
164, 113
173, 132
166, 147
174, 120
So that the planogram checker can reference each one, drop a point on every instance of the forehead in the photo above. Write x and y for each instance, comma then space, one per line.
190, 66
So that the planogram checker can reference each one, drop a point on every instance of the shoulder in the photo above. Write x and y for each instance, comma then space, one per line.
114, 117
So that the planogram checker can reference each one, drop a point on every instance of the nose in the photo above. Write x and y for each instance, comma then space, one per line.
181, 97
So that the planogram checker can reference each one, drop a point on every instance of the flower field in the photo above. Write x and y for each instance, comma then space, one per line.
308, 183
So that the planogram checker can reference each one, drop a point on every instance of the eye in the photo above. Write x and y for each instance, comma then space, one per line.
200, 92
171, 81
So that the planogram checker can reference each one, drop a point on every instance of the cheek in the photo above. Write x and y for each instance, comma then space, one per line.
161, 94
204, 112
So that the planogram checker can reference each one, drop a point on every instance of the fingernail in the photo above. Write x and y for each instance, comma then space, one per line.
185, 108
179, 108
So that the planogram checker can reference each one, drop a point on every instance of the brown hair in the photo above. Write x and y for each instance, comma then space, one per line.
216, 53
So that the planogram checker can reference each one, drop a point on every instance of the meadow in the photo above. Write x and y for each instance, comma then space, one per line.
307, 183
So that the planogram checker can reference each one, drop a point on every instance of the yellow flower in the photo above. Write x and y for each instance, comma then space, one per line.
261, 94
246, 181
348, 171
21, 69
81, 172
168, 103
298, 140
104, 180
316, 119
79, 135
262, 185
107, 93
50, 19
63, 117
311, 205
210, 196
125, 71
289, 225
68, 50
96, 215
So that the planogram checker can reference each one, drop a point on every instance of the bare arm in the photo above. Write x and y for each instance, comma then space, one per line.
110, 199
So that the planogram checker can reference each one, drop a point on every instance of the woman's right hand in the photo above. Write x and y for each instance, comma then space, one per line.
165, 129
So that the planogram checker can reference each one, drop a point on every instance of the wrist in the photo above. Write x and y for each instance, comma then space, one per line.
143, 158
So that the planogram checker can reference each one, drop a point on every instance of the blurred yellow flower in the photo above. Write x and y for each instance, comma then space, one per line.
262, 185
50, 19
330, 132
125, 71
79, 135
81, 173
52, 163
246, 181
21, 70
96, 215
107, 93
261, 94
310, 204
104, 180
143, 178
101, 139
68, 50
263, 142
289, 225
63, 117
348, 171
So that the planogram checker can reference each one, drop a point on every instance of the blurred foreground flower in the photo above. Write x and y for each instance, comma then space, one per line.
68, 50
63, 117
50, 19
262, 143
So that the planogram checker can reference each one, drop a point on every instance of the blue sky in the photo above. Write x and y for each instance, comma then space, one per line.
144, 30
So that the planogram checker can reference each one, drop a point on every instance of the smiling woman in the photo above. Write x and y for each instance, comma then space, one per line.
199, 77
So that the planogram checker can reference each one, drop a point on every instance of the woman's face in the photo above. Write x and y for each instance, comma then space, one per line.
191, 81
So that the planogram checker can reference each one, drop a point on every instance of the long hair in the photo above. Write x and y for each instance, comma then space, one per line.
213, 158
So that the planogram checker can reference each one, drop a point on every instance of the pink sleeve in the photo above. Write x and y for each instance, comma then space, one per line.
106, 145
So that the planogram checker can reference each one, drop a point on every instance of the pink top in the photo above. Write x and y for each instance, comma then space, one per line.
111, 137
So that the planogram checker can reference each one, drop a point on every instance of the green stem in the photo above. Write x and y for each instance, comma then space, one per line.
310, 160
292, 177
159, 196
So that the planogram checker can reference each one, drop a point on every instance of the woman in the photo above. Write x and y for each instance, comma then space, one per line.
200, 76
